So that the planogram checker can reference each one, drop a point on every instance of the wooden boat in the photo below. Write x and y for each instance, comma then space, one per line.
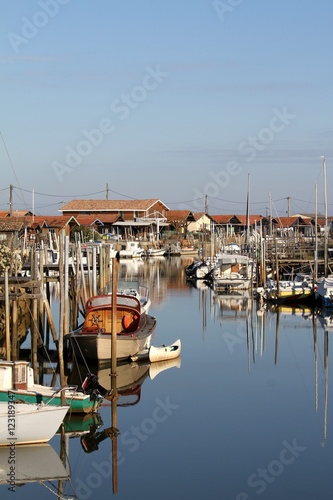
133, 328
17, 378
162, 353
28, 423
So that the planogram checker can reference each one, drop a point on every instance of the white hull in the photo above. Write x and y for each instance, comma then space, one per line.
156, 252
131, 250
156, 354
165, 352
29, 423
231, 283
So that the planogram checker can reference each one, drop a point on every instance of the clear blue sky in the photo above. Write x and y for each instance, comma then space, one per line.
172, 99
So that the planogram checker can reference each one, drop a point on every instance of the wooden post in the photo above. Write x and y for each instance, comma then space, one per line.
65, 272
14, 331
49, 316
34, 325
79, 255
94, 271
7, 317
114, 377
277, 271
101, 259
41, 325
61, 321
114, 320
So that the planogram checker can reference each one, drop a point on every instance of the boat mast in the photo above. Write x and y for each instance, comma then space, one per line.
326, 229
316, 236
247, 241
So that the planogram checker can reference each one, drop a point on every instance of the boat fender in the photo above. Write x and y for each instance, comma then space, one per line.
129, 321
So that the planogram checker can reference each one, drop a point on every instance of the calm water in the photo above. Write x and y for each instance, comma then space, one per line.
244, 414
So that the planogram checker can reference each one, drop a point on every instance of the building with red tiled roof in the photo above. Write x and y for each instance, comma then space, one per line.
10, 229
132, 218
179, 220
127, 209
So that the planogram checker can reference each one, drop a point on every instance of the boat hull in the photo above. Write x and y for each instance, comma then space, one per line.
29, 424
99, 346
77, 404
227, 284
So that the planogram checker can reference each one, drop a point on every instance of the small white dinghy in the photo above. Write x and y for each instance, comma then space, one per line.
161, 353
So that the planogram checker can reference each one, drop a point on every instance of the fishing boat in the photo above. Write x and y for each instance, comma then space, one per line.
131, 250
324, 293
162, 353
299, 290
22, 423
133, 328
232, 272
155, 252
17, 380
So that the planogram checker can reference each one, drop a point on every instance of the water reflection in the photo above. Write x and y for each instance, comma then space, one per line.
253, 375
32, 464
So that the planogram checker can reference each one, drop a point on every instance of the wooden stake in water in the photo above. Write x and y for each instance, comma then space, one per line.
8, 346
114, 319
114, 375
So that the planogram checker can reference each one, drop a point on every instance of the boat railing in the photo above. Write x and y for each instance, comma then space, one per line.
72, 390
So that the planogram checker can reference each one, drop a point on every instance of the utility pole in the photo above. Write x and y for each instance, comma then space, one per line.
107, 190
288, 210
10, 200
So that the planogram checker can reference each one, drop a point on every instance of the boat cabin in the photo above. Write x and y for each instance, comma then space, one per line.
15, 375
99, 315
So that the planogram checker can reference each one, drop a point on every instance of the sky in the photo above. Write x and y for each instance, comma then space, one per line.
199, 103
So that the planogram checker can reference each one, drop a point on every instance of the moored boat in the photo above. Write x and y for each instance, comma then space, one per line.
131, 250
162, 353
289, 291
324, 293
17, 379
133, 328
22, 423
134, 289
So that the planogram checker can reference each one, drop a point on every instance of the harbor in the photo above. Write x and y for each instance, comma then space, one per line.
248, 397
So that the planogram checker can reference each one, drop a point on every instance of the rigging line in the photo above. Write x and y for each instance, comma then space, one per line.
11, 164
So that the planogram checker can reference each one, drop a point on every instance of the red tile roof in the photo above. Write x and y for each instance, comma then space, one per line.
179, 215
110, 205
